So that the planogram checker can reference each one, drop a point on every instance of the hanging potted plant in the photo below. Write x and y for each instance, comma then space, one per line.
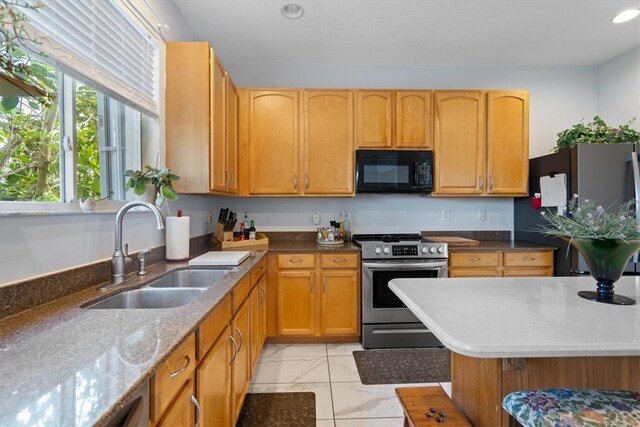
153, 185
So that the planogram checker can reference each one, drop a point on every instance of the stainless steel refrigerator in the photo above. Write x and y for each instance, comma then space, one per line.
605, 173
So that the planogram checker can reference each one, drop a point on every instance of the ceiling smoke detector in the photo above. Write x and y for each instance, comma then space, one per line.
625, 16
292, 11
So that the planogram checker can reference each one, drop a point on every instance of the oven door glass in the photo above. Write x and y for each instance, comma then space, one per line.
383, 297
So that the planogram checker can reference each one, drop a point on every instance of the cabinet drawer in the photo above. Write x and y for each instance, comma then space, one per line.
528, 259
241, 292
528, 272
473, 272
473, 259
296, 261
213, 325
259, 269
171, 376
339, 261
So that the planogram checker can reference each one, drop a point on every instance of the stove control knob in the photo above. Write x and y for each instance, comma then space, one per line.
424, 250
386, 250
432, 250
440, 250
378, 251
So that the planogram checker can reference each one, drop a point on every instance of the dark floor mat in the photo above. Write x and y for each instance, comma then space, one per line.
278, 410
403, 366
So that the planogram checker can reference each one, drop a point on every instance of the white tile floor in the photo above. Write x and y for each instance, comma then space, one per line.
329, 371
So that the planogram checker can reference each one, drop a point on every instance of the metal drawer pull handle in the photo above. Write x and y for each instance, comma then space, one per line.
306, 181
340, 260
181, 370
490, 182
241, 338
324, 285
530, 259
295, 182
295, 260
198, 411
475, 259
235, 349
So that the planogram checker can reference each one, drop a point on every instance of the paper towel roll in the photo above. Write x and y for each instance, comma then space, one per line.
177, 237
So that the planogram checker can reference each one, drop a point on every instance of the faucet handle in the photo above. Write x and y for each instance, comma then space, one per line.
141, 261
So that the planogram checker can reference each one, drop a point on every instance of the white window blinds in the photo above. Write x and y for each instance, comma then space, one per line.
96, 40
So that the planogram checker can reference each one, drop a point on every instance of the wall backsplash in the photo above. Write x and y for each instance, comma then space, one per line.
374, 213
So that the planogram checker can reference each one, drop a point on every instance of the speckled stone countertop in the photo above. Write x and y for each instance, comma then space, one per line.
65, 365
501, 245
311, 246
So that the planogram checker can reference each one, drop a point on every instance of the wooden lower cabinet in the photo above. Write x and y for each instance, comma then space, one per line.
210, 389
518, 263
296, 303
184, 409
241, 362
258, 319
214, 382
340, 294
317, 295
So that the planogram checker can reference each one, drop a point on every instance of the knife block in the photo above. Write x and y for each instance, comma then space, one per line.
221, 235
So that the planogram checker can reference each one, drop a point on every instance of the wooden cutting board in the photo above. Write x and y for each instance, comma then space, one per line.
455, 241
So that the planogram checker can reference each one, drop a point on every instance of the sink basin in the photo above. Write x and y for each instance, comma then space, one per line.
149, 298
190, 279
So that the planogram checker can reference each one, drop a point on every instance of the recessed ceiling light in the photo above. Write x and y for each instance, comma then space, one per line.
292, 11
625, 16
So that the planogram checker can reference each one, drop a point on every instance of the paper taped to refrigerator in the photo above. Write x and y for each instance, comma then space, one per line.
554, 190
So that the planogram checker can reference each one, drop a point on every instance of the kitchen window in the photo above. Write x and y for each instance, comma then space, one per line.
99, 70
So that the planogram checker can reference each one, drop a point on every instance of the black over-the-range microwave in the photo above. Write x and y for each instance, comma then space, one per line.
394, 171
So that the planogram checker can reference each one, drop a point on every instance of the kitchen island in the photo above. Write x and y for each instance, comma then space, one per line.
510, 334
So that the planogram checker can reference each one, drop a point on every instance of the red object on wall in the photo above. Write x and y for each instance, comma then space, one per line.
536, 202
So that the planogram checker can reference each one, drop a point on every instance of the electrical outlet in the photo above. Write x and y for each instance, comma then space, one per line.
316, 217
482, 214
208, 217
446, 215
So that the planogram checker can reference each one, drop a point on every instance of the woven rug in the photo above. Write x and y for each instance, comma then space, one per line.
278, 410
403, 366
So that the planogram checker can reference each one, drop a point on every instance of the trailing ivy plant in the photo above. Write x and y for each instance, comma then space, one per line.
597, 132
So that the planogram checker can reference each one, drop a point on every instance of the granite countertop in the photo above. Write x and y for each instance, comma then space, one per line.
311, 246
500, 245
66, 365
524, 317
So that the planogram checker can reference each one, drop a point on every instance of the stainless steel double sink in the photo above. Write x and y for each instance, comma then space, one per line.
175, 289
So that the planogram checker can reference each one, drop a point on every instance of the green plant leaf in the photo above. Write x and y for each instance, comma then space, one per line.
10, 102
168, 193
140, 188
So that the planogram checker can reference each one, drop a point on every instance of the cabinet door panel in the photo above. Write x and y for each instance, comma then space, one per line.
413, 119
374, 119
262, 312
187, 115
507, 143
214, 383
255, 326
273, 142
217, 87
182, 412
340, 302
459, 143
328, 142
231, 146
296, 303
241, 367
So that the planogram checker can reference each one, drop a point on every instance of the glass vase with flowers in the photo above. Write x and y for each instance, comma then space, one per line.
606, 238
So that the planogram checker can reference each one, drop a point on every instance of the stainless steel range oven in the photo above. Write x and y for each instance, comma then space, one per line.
386, 321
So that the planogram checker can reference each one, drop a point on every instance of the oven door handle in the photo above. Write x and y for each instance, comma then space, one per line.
404, 266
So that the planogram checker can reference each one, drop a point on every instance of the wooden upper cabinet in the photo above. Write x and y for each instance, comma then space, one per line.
218, 174
459, 142
187, 110
374, 116
507, 143
327, 152
273, 141
231, 137
413, 119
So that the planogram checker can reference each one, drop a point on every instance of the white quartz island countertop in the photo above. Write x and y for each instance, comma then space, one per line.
524, 317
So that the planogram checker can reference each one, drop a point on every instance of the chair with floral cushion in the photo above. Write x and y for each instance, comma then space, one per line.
569, 407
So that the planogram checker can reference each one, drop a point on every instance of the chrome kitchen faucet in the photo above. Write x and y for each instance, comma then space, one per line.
120, 257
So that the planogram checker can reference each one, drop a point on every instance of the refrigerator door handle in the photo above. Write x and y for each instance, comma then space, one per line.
633, 157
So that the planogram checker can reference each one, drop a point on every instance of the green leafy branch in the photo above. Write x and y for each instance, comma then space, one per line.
597, 132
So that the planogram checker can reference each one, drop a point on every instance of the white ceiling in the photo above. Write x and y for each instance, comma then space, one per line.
505, 32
